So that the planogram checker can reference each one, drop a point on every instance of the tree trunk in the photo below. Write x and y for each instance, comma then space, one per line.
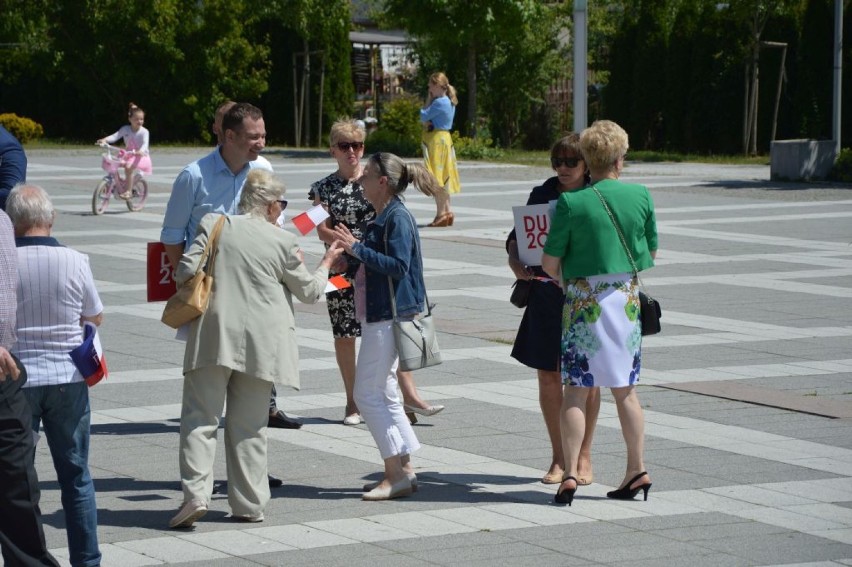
471, 92
755, 91
746, 85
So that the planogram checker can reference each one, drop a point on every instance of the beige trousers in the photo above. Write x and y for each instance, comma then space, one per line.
204, 394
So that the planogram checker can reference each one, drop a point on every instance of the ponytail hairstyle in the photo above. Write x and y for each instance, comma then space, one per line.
401, 174
133, 109
442, 81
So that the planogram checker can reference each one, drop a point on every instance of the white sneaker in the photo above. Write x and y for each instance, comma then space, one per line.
353, 419
188, 513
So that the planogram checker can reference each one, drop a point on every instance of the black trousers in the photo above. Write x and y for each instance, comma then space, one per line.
21, 532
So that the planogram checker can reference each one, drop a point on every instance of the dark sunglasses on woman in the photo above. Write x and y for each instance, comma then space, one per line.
566, 161
283, 203
345, 146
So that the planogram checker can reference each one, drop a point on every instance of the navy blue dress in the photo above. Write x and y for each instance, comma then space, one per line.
537, 343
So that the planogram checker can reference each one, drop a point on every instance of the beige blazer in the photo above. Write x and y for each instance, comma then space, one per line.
249, 325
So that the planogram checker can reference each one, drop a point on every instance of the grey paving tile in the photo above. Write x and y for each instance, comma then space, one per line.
135, 464
707, 560
780, 548
358, 554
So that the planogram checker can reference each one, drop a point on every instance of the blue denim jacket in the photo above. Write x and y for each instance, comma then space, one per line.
401, 261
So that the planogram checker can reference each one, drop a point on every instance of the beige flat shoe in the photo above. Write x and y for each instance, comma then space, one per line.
397, 490
189, 512
372, 485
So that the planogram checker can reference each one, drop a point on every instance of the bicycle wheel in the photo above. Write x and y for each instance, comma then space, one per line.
138, 194
100, 198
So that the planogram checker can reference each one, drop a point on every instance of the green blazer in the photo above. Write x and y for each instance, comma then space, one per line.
582, 234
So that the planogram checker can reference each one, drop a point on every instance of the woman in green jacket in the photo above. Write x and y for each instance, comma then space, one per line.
601, 328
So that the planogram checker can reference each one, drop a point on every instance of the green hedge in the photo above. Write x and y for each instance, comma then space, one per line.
386, 141
24, 129
842, 170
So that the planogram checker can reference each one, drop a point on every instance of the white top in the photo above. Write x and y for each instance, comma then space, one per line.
55, 289
132, 140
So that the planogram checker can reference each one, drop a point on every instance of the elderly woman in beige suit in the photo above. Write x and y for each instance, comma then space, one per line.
243, 342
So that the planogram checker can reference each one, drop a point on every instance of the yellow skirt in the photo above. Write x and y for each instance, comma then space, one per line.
440, 158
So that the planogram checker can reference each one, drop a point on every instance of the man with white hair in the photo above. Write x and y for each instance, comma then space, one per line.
21, 531
56, 294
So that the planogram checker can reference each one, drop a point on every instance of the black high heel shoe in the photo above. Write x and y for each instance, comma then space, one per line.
565, 496
627, 493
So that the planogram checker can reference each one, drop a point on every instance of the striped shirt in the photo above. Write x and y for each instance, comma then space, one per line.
55, 289
8, 282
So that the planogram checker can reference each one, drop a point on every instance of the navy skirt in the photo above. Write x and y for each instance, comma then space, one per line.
537, 344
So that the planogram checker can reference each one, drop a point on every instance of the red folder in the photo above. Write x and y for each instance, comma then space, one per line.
161, 279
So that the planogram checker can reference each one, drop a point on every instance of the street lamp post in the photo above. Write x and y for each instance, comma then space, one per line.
581, 110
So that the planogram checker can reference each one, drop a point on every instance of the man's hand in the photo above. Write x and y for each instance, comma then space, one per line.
8, 366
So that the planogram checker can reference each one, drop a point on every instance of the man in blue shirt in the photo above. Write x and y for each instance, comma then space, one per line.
13, 164
213, 184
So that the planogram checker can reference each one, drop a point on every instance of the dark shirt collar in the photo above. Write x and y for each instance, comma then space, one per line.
21, 241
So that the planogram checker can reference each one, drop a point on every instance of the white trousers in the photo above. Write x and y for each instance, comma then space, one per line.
204, 394
376, 391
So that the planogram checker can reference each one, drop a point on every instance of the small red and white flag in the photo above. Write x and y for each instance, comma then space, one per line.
89, 357
336, 283
308, 220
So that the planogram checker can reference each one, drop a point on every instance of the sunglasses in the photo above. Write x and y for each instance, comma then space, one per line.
566, 161
283, 203
345, 146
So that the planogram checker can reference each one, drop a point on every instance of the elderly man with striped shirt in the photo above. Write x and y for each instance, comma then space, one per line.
21, 532
56, 294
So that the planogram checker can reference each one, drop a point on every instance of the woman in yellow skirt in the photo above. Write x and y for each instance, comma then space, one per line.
437, 118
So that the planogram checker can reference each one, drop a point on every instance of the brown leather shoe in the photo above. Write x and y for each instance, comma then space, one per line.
442, 220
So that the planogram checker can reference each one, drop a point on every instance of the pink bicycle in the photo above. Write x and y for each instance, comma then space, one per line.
112, 184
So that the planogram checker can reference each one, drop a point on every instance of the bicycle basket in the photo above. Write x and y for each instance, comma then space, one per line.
110, 163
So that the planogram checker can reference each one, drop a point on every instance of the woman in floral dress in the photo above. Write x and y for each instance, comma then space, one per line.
601, 327
342, 197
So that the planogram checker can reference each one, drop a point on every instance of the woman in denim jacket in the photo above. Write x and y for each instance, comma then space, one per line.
384, 179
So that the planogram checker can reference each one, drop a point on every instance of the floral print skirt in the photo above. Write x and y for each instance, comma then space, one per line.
601, 332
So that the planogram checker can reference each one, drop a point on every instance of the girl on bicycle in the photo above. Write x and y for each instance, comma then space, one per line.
135, 138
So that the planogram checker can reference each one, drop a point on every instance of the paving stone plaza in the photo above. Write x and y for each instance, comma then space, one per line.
747, 392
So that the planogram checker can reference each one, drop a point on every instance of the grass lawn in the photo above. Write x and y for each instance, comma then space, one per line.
542, 158
539, 158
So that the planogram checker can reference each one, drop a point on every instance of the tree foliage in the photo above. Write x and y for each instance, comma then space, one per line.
75, 65
499, 54
681, 71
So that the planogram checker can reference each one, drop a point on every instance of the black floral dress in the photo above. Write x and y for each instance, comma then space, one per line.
346, 204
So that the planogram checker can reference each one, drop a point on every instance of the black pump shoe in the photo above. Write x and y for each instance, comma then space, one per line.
566, 496
628, 493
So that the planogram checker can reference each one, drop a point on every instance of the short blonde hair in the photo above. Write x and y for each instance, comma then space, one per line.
347, 128
260, 189
602, 144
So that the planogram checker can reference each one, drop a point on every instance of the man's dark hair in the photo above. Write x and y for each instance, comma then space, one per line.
233, 119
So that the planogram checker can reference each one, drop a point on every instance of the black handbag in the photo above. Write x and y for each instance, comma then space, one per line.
520, 293
650, 312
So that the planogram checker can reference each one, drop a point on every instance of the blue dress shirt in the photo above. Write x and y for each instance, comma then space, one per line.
204, 186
